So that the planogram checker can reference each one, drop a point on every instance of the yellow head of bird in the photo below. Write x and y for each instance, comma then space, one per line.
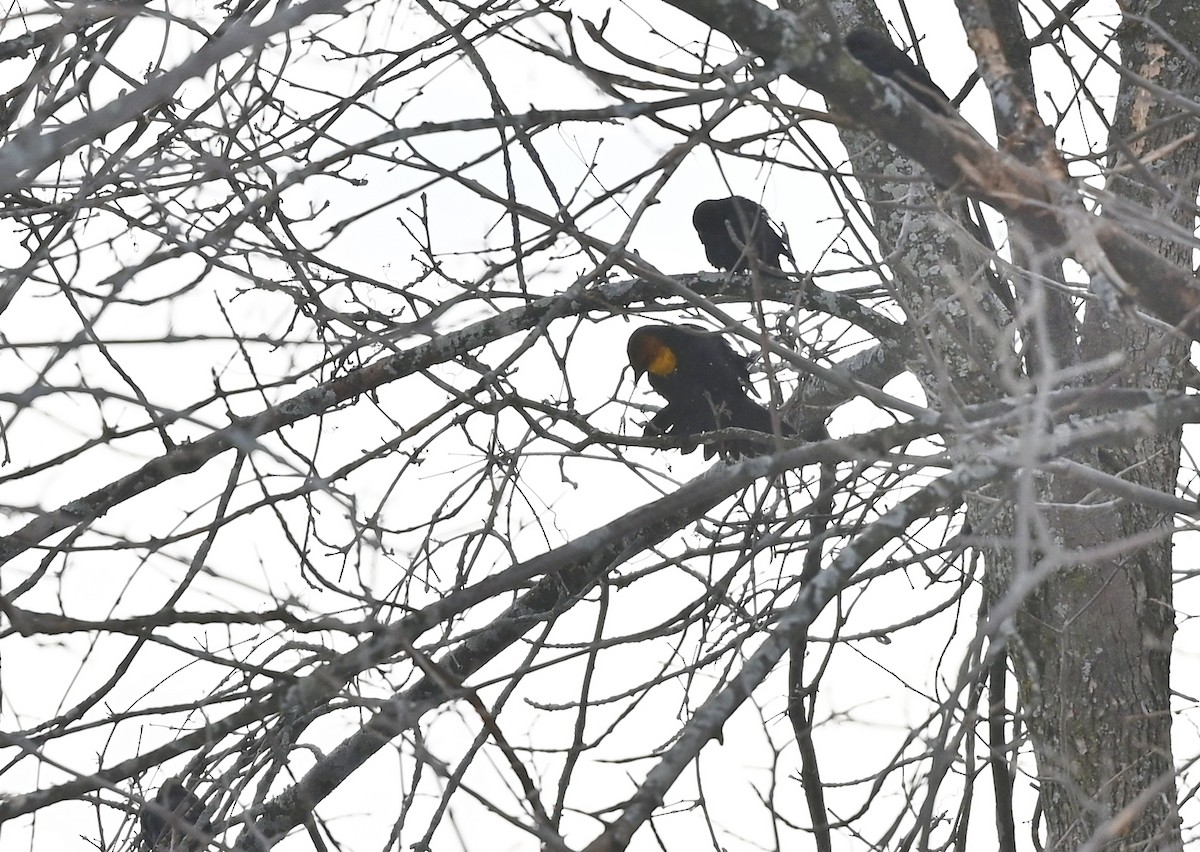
648, 353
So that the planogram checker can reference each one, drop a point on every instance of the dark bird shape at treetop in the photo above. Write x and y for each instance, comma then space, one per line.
735, 231
165, 820
705, 384
884, 59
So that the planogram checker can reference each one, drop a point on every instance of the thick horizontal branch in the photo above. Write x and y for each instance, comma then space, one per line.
35, 623
318, 400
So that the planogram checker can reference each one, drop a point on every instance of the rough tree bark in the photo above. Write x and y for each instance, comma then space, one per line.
1096, 635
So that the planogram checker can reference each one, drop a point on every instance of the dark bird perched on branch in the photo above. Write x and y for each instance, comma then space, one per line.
735, 232
704, 382
166, 820
884, 59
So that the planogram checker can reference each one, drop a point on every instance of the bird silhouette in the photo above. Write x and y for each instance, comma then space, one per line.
884, 59
705, 384
736, 231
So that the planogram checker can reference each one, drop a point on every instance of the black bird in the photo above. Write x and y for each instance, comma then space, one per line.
884, 59
165, 820
704, 382
736, 231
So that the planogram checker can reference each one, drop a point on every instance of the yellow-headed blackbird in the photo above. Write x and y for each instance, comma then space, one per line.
704, 382
884, 59
165, 820
735, 230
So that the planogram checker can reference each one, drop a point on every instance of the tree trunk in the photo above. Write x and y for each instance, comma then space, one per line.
1093, 643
